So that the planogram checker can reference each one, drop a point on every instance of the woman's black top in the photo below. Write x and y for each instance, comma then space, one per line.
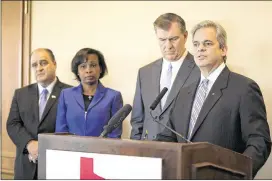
87, 101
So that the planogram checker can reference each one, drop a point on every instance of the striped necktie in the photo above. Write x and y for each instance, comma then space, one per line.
198, 103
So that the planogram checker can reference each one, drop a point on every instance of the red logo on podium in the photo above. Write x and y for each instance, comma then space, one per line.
87, 169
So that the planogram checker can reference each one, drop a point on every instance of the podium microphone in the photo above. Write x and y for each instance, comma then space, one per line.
158, 98
116, 120
154, 105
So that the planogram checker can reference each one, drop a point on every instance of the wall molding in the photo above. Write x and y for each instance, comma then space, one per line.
26, 43
8, 154
8, 159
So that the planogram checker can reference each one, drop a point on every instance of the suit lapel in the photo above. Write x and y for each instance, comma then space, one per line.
52, 99
34, 102
78, 96
213, 96
155, 82
183, 73
99, 94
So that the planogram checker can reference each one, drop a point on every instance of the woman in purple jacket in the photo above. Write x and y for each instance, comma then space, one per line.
84, 110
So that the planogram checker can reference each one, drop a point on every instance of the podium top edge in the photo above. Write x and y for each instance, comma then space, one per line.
62, 135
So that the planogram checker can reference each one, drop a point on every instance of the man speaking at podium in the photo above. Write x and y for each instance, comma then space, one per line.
222, 107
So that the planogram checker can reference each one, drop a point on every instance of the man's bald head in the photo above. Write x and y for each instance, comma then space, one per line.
47, 50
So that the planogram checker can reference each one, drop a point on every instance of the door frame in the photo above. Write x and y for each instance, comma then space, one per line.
21, 76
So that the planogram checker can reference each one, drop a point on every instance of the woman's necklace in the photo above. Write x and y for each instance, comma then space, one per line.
90, 97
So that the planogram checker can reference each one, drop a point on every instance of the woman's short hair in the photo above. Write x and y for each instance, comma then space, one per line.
81, 57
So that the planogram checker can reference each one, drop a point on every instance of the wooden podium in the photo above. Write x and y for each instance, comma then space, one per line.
179, 161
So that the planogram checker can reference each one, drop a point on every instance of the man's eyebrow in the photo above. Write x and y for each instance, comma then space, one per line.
169, 38
207, 41
173, 37
43, 60
195, 41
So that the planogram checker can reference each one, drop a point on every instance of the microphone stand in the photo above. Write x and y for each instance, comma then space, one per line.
173, 131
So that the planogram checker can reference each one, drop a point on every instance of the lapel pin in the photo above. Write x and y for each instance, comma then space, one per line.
53, 97
213, 94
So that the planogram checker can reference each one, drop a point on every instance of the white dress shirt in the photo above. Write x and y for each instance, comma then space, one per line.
212, 76
175, 68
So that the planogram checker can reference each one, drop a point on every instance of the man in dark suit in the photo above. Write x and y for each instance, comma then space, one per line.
175, 70
33, 111
222, 107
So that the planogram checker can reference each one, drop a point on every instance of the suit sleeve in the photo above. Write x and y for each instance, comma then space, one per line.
61, 122
137, 116
254, 126
15, 126
116, 105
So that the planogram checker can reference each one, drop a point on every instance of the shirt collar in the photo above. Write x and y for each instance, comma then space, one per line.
213, 76
49, 87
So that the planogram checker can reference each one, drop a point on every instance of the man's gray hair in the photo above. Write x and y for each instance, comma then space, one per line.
221, 34
165, 21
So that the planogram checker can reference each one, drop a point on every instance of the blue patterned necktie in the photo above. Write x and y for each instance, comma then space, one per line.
198, 103
166, 83
43, 100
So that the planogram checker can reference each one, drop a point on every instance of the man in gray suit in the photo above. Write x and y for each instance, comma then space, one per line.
223, 108
175, 70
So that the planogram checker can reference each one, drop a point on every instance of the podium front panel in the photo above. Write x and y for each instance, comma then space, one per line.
80, 165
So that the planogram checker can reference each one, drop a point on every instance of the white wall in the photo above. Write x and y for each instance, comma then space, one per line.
123, 31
